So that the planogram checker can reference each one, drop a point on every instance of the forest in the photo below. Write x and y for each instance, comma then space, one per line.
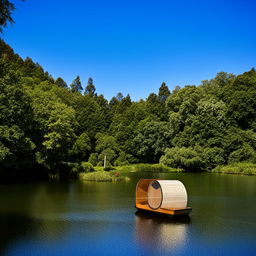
47, 126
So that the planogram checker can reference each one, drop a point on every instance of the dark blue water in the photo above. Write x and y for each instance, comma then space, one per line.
76, 218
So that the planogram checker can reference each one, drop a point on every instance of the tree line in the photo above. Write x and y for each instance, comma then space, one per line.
46, 125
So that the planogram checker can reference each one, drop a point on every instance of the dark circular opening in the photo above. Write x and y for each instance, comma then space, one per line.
155, 195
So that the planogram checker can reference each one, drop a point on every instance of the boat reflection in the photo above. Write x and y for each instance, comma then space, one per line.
156, 232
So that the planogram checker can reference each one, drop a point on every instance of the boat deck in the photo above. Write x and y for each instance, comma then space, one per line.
144, 206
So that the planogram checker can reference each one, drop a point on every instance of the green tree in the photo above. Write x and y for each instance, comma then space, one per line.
6, 9
119, 96
90, 88
164, 92
81, 148
61, 83
76, 85
151, 140
56, 124
106, 145
16, 125
105, 142
184, 158
93, 159
89, 116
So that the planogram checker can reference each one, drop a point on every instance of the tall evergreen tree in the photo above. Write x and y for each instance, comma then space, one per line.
60, 82
76, 85
6, 9
163, 92
90, 88
119, 96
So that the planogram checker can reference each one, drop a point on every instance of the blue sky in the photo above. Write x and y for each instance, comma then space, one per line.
133, 46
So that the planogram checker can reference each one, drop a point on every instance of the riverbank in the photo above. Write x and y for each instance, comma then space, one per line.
117, 173
236, 168
102, 176
157, 168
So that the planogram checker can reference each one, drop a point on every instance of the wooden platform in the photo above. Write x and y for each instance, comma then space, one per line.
171, 212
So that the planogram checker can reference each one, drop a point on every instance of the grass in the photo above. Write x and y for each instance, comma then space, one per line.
101, 175
237, 168
117, 173
154, 168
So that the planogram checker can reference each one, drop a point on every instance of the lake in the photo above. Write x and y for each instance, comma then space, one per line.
87, 218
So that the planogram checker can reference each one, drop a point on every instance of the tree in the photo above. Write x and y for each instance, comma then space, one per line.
44, 124
81, 147
164, 92
241, 99
6, 9
76, 85
156, 108
176, 89
90, 88
111, 156
56, 125
59, 135
119, 96
89, 116
151, 140
184, 158
16, 125
245, 153
105, 142
60, 82
106, 145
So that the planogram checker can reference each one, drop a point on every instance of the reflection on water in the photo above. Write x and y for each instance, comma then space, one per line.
159, 231
14, 227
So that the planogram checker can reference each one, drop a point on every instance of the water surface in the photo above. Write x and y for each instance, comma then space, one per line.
80, 218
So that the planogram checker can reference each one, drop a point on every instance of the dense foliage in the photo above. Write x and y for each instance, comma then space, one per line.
47, 124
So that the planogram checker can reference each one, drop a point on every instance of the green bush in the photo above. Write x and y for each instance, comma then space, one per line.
102, 176
154, 168
75, 168
87, 167
245, 153
246, 168
108, 168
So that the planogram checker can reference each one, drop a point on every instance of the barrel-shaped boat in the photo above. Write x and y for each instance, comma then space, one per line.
162, 196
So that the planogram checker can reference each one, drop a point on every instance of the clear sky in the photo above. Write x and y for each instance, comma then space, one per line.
132, 46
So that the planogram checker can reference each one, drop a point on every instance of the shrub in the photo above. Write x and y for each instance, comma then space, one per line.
237, 168
87, 167
101, 176
245, 153
154, 168
108, 168
75, 168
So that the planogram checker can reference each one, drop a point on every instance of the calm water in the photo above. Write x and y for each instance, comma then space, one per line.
75, 218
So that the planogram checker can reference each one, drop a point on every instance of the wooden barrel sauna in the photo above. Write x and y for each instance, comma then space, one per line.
163, 196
